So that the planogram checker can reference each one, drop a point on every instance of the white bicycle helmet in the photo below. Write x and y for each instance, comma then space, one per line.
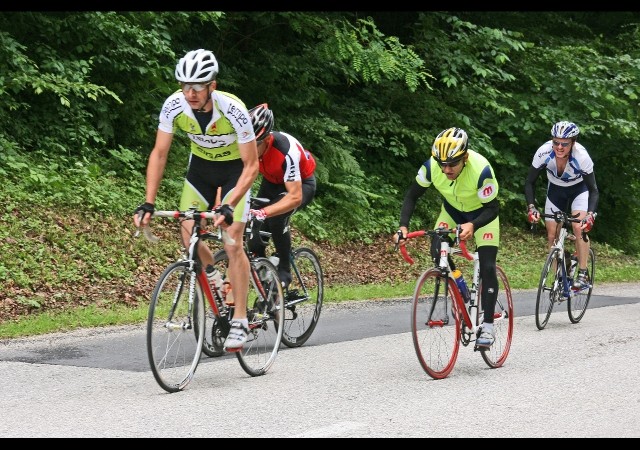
565, 130
197, 66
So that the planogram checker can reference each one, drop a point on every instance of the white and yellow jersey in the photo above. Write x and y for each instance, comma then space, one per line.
229, 126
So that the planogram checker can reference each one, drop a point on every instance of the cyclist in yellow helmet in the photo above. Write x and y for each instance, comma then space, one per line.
469, 188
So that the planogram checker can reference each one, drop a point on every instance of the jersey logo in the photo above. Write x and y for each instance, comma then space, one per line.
443, 225
487, 236
487, 191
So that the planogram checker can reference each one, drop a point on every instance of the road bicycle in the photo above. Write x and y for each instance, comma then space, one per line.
442, 318
177, 319
556, 278
303, 297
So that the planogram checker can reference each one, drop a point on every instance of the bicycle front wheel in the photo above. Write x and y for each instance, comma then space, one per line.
549, 289
303, 298
435, 323
173, 347
579, 300
265, 311
496, 355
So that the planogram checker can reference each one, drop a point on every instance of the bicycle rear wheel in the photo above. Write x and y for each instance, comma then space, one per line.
579, 300
303, 298
265, 311
496, 355
173, 347
549, 289
435, 323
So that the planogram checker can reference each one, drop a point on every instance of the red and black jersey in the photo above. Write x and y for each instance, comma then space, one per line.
286, 160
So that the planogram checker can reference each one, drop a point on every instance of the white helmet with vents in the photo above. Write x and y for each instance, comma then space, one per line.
197, 66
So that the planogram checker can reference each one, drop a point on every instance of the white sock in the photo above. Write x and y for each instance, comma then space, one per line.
244, 322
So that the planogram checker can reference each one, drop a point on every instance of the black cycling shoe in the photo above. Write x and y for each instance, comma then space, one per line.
285, 277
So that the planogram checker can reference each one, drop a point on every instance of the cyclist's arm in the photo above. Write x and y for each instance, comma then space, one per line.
155, 167
594, 194
488, 213
291, 200
529, 184
249, 156
414, 192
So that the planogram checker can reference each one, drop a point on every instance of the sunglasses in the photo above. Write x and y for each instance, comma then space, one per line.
561, 144
198, 87
452, 164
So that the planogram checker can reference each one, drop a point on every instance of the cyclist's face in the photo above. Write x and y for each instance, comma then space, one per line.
561, 147
452, 171
197, 94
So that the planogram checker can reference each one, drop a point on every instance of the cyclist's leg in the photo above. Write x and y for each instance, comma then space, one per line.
199, 192
579, 206
238, 272
487, 240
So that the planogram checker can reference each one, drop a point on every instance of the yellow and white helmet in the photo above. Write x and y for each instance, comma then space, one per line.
450, 145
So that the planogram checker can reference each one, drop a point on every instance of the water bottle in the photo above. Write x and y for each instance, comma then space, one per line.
215, 279
462, 285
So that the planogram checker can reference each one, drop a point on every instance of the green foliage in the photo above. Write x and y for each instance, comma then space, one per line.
366, 93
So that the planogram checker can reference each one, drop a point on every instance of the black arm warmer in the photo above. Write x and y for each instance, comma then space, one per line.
594, 194
414, 192
488, 212
529, 184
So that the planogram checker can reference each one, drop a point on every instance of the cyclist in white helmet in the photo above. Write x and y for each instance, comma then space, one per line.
223, 155
571, 185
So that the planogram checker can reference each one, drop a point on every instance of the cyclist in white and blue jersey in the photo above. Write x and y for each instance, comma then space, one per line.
571, 188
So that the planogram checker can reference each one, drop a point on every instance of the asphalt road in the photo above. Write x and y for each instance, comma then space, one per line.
357, 376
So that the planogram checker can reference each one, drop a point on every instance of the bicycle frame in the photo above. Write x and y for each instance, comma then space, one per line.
470, 314
179, 304
555, 284
565, 221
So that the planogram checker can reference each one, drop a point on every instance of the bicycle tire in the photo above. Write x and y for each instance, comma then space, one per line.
266, 318
549, 288
496, 355
435, 323
578, 302
173, 348
303, 298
